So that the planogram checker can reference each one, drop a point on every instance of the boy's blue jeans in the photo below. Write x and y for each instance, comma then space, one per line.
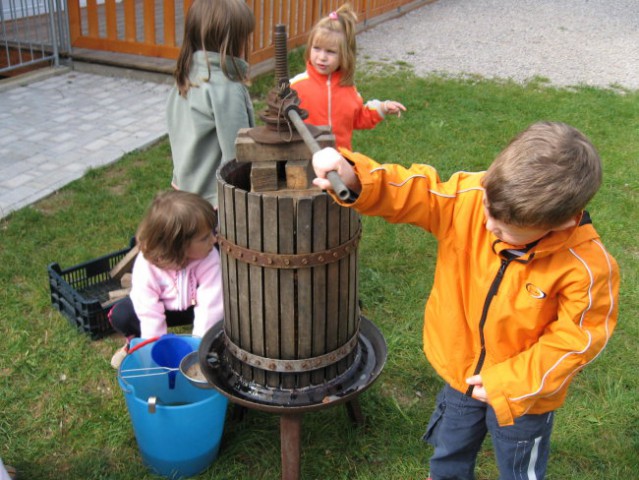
458, 427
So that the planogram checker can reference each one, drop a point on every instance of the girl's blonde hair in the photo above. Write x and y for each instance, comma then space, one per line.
222, 26
338, 27
172, 221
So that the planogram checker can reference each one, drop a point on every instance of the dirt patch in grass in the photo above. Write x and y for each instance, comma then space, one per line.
55, 202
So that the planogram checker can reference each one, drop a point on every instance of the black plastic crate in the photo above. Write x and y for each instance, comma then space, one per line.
79, 292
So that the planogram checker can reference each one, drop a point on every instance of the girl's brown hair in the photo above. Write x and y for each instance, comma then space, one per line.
338, 27
172, 221
222, 26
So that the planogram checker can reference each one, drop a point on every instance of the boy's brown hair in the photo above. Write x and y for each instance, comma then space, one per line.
172, 221
338, 27
544, 177
222, 26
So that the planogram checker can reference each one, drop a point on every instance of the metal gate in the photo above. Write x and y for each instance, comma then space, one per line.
32, 32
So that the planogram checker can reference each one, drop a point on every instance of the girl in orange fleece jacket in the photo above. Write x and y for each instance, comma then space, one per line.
326, 89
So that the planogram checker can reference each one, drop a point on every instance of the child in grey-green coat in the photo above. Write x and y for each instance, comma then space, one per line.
210, 101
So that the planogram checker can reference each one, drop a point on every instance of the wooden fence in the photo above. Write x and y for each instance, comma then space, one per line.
154, 28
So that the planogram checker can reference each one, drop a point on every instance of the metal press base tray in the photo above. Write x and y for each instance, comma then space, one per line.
370, 357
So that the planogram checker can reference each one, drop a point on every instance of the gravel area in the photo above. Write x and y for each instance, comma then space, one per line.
569, 42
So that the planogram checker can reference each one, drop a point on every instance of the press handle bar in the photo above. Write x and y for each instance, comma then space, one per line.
341, 190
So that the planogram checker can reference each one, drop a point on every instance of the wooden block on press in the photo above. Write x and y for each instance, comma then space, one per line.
125, 265
248, 150
298, 174
264, 177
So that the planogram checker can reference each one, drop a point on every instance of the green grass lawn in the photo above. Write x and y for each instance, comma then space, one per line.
63, 414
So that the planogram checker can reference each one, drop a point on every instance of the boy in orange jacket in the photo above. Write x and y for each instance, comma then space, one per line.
524, 295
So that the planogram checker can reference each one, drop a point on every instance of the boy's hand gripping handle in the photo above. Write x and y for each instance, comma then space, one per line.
341, 190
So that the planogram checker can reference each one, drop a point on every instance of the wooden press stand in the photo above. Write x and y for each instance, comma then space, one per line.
291, 436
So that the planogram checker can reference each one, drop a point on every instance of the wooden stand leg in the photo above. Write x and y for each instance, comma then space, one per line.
290, 444
355, 412
238, 412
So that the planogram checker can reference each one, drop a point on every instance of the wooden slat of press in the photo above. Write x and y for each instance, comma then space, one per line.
344, 291
256, 283
234, 331
243, 299
353, 305
286, 234
222, 221
353, 314
332, 285
320, 207
226, 222
304, 286
271, 288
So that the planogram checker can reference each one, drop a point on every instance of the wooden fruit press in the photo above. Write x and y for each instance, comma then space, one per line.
293, 339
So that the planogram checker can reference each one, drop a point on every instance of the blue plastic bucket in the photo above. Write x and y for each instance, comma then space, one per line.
178, 430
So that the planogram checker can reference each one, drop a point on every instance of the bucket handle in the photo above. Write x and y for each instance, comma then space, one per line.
152, 403
137, 347
142, 344
146, 372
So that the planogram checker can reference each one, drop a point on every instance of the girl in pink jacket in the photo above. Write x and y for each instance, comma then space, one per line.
176, 278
